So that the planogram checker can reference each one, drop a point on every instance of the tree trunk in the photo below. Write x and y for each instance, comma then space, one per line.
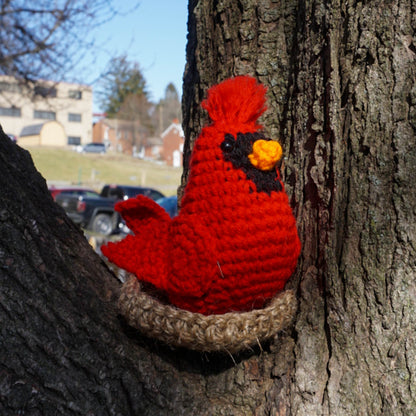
342, 96
342, 101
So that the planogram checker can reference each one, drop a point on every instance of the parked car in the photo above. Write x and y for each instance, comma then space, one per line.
96, 213
12, 137
120, 192
93, 213
94, 148
72, 190
170, 204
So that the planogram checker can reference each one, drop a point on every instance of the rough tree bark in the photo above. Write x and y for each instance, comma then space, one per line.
343, 104
342, 101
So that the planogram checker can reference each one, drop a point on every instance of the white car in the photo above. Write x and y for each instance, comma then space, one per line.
94, 148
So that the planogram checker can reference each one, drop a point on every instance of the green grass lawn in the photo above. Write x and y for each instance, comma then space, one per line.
64, 166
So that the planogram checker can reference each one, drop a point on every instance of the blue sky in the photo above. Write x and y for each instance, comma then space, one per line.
154, 35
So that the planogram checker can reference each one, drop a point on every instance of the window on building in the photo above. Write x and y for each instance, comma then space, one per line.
10, 87
44, 91
74, 140
75, 117
10, 112
75, 94
45, 115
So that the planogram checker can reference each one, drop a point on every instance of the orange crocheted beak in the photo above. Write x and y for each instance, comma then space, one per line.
266, 153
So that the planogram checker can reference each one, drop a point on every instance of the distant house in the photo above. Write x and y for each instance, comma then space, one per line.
50, 133
172, 148
153, 148
24, 106
127, 137
105, 131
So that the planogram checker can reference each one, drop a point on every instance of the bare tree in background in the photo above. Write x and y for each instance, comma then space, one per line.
48, 39
134, 116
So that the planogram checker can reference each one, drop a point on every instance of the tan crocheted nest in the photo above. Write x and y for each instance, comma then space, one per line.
232, 332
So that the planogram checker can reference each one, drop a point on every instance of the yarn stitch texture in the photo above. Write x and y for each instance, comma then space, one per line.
234, 244
231, 332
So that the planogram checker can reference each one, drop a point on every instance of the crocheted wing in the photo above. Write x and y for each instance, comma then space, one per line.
192, 258
144, 252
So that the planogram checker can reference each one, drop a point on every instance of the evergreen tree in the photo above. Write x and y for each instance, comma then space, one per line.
168, 108
122, 79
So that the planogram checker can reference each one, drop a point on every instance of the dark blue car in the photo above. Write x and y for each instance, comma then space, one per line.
170, 204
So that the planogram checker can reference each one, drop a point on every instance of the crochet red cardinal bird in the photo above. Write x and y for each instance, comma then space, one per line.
234, 243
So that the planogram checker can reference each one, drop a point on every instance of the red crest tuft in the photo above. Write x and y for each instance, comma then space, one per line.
237, 102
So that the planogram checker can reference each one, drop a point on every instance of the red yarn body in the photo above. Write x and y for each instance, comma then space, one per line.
231, 248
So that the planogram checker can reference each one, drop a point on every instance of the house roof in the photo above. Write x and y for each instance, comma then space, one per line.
110, 122
120, 124
116, 122
154, 141
174, 127
31, 130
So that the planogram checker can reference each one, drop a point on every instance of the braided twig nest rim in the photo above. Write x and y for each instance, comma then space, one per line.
232, 332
